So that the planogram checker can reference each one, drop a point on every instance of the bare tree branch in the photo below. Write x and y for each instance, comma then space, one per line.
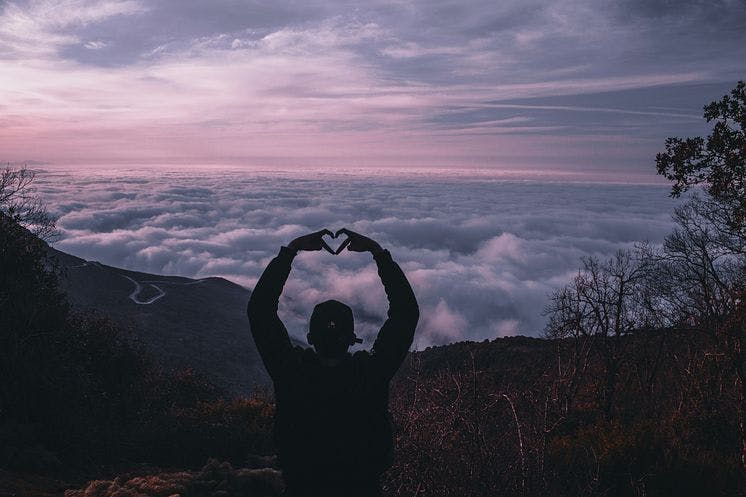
18, 200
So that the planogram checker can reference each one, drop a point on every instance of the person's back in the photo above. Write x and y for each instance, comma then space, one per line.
333, 420
332, 425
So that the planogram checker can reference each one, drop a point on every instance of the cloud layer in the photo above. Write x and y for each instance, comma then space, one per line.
482, 251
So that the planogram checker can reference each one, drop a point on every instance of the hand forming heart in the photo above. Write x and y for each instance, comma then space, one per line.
355, 242
330, 248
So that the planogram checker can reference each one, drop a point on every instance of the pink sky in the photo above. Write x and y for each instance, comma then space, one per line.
332, 88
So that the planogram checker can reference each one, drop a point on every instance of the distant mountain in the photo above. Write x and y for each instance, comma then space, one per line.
200, 324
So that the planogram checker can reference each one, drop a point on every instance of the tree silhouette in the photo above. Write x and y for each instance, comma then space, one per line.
19, 202
718, 162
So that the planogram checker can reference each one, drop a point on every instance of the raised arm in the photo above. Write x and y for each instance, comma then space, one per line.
270, 335
396, 334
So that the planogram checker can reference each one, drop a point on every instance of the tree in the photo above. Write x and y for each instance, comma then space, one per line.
718, 162
700, 278
699, 268
596, 309
702, 264
20, 203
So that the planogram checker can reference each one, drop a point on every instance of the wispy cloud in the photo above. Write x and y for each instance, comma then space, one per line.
94, 45
42, 27
128, 80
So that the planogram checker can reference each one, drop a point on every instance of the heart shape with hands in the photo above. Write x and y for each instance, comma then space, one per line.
329, 240
354, 242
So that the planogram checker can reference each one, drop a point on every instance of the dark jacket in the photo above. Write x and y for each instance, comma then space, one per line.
332, 423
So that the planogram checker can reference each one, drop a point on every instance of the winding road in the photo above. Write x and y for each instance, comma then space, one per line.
138, 288
134, 296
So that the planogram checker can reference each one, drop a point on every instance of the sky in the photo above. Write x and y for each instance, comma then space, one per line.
482, 252
573, 85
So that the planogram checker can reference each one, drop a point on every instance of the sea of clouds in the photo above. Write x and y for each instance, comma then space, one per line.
483, 251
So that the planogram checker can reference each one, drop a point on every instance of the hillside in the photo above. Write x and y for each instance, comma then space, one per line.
186, 323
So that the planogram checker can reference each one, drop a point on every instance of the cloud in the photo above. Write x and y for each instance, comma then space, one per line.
95, 45
372, 83
41, 28
482, 253
441, 324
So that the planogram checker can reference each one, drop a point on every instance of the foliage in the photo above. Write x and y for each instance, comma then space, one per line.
19, 202
702, 265
213, 480
719, 162
77, 389
229, 429
605, 301
471, 425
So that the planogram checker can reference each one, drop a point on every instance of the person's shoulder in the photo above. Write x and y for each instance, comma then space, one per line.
289, 364
296, 355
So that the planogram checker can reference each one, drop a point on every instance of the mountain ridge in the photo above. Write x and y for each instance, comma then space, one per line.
185, 323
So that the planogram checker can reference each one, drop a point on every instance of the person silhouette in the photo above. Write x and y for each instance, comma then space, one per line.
332, 426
